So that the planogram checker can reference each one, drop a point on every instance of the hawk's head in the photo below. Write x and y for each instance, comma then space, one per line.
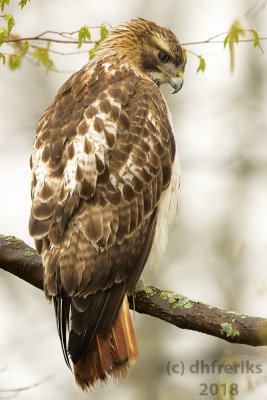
149, 48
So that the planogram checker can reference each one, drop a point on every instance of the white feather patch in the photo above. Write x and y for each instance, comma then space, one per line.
167, 211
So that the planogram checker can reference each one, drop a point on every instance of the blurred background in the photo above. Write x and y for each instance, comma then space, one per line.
217, 251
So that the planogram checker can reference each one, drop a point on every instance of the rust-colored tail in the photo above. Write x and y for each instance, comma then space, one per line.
109, 356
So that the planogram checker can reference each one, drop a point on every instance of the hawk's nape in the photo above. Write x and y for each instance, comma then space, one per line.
104, 193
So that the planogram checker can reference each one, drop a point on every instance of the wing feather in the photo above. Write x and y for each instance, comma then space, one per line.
102, 156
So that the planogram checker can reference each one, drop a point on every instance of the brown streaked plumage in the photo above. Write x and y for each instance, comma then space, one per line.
104, 192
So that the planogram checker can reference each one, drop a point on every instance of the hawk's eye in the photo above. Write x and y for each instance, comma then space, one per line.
163, 56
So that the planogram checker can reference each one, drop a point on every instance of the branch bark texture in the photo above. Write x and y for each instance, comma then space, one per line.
22, 261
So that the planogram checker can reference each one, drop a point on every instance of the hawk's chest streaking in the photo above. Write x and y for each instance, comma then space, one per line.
104, 181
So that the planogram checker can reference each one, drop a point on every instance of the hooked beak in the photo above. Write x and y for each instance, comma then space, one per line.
175, 81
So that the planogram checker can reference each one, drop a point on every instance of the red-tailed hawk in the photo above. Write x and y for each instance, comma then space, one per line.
104, 191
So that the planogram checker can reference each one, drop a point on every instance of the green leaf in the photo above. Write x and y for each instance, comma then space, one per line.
24, 48
83, 35
3, 58
10, 23
184, 54
14, 61
92, 51
232, 53
103, 35
42, 56
234, 32
3, 35
202, 64
237, 30
2, 4
256, 38
103, 32
233, 37
23, 3
226, 41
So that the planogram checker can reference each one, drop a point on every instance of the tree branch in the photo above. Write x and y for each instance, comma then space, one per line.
32, 47
68, 40
21, 260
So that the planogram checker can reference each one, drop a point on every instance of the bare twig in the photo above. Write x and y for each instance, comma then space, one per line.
46, 39
21, 389
71, 53
219, 41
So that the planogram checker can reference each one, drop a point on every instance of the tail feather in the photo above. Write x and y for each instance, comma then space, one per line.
126, 320
105, 358
111, 355
118, 341
96, 366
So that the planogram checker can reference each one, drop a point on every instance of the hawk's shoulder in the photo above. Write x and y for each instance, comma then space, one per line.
102, 156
